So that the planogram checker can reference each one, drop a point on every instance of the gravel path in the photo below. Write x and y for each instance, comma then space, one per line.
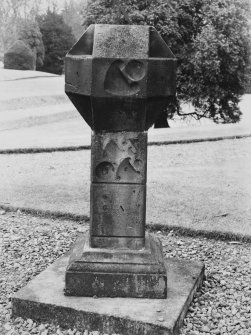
223, 306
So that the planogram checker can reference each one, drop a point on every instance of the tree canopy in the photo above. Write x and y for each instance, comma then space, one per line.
29, 32
57, 38
210, 39
72, 16
14, 13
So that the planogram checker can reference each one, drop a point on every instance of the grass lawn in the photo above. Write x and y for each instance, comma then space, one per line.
201, 186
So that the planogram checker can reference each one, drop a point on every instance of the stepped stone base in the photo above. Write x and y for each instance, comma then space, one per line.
43, 300
117, 272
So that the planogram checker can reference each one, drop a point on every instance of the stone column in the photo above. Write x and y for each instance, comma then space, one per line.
119, 78
118, 190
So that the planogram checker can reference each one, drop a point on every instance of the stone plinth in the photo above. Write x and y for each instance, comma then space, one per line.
43, 300
116, 272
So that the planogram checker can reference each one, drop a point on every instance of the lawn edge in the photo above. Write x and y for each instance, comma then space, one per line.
152, 227
189, 232
45, 213
88, 147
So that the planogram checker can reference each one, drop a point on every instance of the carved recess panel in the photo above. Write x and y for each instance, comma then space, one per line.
119, 157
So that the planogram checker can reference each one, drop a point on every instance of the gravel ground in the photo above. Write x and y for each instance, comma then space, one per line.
223, 305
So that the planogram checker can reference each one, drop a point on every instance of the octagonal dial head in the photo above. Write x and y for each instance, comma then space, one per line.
120, 77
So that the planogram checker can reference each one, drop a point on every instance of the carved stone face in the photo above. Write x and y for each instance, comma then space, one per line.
120, 77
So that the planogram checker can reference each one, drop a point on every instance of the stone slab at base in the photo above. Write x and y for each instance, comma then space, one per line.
43, 300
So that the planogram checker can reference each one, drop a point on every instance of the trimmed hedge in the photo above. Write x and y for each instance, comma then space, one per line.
19, 57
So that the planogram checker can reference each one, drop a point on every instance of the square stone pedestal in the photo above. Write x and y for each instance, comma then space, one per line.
43, 300
117, 272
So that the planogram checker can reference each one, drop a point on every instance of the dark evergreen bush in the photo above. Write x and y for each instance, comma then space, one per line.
57, 40
29, 33
19, 57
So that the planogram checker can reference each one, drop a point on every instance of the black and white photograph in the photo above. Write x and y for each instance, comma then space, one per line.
125, 167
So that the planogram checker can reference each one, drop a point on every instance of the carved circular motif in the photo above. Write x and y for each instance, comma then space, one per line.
122, 78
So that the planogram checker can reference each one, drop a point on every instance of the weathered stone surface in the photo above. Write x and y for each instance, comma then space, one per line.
83, 105
118, 210
84, 46
121, 70
118, 242
124, 41
114, 114
43, 300
161, 78
119, 78
117, 273
119, 83
79, 75
114, 284
125, 255
119, 157
157, 46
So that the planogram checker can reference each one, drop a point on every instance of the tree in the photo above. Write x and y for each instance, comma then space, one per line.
12, 14
29, 32
8, 31
210, 39
72, 17
19, 57
57, 39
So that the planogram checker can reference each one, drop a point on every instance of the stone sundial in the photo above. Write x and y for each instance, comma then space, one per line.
116, 278
119, 78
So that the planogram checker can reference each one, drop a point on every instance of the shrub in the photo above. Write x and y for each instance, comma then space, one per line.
29, 32
19, 57
57, 39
